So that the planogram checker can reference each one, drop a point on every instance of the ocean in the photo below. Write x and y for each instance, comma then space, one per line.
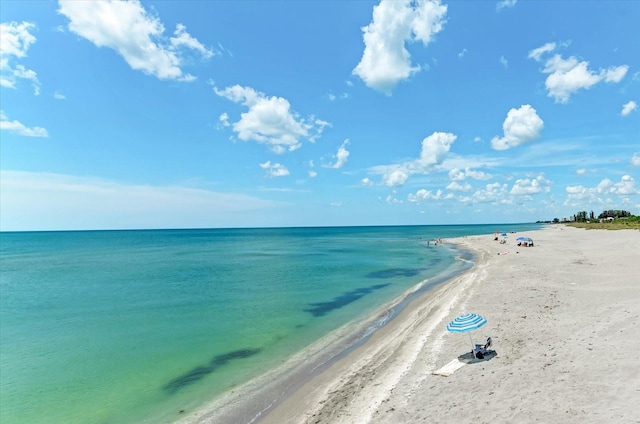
147, 326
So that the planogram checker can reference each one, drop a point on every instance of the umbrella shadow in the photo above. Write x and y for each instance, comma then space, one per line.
469, 359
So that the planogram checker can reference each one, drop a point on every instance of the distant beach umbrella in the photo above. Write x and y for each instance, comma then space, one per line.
466, 323
525, 240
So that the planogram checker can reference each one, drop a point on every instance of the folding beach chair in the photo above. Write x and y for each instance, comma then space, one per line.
480, 350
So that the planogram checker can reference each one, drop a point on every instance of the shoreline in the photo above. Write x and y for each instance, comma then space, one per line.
253, 401
564, 317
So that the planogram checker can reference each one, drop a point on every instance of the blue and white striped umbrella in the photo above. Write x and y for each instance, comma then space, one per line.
466, 323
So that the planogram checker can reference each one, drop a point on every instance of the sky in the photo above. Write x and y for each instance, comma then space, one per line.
214, 114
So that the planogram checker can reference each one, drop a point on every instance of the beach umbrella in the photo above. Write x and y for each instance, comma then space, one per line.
526, 240
466, 323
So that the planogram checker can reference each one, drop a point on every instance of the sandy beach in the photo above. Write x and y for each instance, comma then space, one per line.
564, 317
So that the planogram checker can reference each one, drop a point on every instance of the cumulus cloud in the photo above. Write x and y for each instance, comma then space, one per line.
567, 76
19, 128
15, 39
434, 149
626, 186
136, 35
635, 159
274, 169
491, 193
391, 199
395, 178
423, 195
456, 186
505, 3
456, 174
341, 156
477, 175
504, 62
628, 107
366, 182
385, 60
531, 186
269, 120
521, 125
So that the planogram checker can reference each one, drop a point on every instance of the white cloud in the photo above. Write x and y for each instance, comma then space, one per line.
395, 178
184, 39
270, 120
504, 62
366, 182
423, 195
44, 201
581, 171
462, 53
456, 175
567, 76
492, 193
635, 159
275, 169
537, 53
312, 174
15, 39
137, 36
531, 186
19, 128
59, 96
224, 119
341, 156
505, 3
391, 199
456, 186
628, 107
434, 149
521, 125
606, 187
385, 60
477, 175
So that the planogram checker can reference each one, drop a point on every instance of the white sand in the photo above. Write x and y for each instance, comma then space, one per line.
565, 321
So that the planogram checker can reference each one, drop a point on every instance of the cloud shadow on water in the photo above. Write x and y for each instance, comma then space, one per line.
200, 372
322, 308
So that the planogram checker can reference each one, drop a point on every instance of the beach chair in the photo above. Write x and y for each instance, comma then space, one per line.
481, 350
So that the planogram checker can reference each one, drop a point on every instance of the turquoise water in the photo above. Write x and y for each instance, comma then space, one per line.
136, 326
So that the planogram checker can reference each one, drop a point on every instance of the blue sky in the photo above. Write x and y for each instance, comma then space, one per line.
183, 114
